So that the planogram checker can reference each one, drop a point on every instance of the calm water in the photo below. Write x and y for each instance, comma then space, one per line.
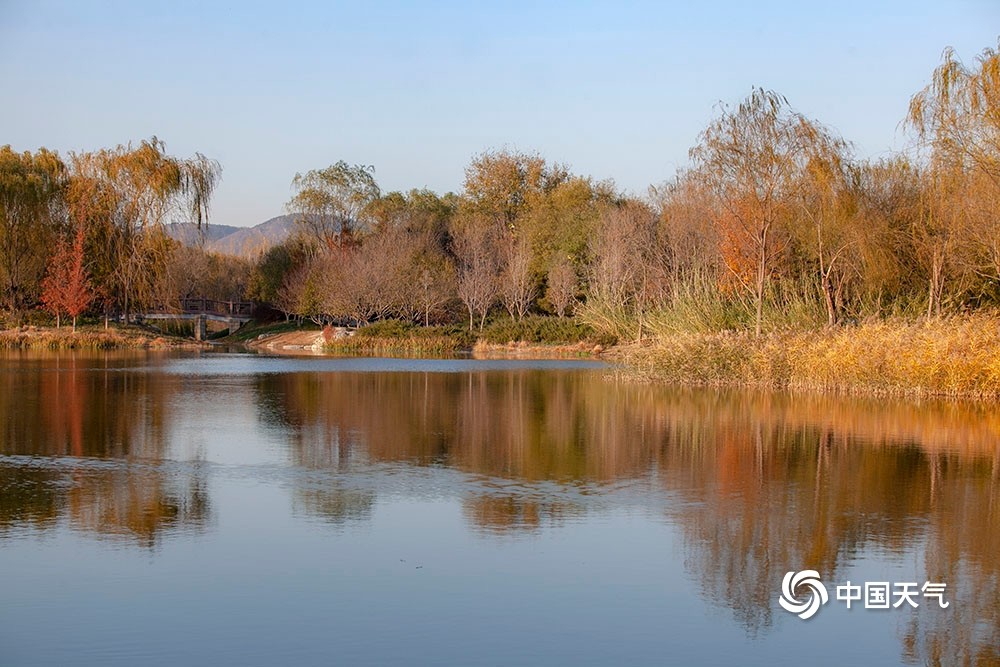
235, 509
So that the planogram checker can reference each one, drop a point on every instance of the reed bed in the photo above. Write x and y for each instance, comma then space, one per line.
957, 356
86, 338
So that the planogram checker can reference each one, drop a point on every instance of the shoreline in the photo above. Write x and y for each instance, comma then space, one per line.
957, 357
92, 337
313, 343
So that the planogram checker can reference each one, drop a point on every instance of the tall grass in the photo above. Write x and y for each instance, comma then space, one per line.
699, 306
90, 337
614, 322
957, 356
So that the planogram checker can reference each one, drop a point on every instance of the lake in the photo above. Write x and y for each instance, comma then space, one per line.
206, 509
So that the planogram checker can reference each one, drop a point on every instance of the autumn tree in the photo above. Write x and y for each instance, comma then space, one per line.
268, 273
426, 276
517, 286
562, 286
195, 272
563, 220
331, 203
413, 230
957, 119
628, 273
503, 185
288, 296
415, 211
130, 193
826, 225
750, 157
690, 239
31, 185
436, 286
66, 287
887, 200
478, 267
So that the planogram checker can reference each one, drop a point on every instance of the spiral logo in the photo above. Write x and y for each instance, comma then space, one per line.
817, 593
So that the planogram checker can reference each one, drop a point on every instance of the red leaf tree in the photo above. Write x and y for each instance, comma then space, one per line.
66, 287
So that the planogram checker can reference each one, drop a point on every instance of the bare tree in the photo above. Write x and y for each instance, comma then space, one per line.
288, 297
478, 269
562, 286
517, 286
628, 274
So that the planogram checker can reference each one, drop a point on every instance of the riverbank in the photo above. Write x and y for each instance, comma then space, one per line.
391, 338
952, 357
94, 337
948, 357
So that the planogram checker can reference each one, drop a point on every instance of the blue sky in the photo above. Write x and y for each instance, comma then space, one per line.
615, 90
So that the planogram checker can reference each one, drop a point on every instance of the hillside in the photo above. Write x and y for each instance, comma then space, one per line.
238, 241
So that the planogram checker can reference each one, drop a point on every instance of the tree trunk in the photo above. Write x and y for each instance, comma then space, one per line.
831, 305
761, 279
934, 288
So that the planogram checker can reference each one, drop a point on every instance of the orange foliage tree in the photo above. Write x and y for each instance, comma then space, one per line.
66, 287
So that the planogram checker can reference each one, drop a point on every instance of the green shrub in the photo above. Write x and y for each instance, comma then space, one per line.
540, 329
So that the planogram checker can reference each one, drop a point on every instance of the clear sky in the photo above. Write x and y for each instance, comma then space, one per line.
615, 90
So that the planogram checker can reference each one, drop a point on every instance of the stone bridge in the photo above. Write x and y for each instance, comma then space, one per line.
234, 313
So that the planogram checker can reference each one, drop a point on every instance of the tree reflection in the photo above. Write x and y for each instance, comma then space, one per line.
761, 483
757, 483
87, 406
771, 484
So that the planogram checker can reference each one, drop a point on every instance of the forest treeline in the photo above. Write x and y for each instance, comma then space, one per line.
775, 223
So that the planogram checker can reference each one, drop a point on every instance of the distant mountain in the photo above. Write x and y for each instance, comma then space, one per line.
188, 233
238, 241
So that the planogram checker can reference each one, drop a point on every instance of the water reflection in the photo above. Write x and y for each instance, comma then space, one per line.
68, 404
756, 484
760, 484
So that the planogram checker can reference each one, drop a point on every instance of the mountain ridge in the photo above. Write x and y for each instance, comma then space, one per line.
246, 242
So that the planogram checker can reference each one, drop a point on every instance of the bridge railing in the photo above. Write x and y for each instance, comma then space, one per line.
201, 306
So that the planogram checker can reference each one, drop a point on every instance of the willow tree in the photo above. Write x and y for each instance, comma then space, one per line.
331, 204
957, 118
958, 113
825, 201
134, 192
886, 195
750, 157
31, 185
